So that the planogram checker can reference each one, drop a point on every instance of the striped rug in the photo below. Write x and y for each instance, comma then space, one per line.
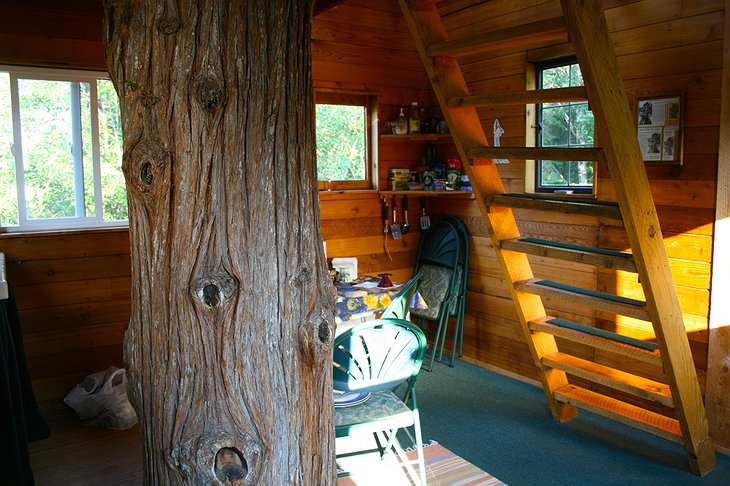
443, 468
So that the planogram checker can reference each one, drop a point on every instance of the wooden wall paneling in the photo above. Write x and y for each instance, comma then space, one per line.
697, 85
718, 372
354, 16
36, 35
642, 13
698, 167
66, 244
677, 219
353, 73
684, 246
675, 60
494, 67
688, 274
701, 6
684, 193
338, 32
373, 57
74, 315
692, 300
685, 31
68, 269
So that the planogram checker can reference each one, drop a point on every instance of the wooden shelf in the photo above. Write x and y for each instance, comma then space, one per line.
459, 194
417, 137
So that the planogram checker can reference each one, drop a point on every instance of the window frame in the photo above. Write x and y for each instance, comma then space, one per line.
369, 102
536, 125
80, 220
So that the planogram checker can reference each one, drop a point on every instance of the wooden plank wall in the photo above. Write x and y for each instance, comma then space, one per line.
663, 47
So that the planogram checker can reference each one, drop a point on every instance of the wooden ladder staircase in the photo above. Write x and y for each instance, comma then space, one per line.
585, 25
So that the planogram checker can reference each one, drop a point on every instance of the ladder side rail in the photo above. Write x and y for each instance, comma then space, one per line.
589, 32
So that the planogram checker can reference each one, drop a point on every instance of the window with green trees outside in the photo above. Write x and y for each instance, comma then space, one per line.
60, 150
343, 140
565, 124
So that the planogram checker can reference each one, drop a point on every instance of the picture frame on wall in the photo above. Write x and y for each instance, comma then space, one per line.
659, 123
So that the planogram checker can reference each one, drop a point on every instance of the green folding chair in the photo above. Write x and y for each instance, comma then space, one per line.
376, 357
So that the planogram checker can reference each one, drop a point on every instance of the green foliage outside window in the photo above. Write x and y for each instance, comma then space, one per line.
341, 142
8, 189
48, 110
565, 125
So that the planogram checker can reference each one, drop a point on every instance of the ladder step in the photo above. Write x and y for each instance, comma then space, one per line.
616, 260
532, 33
623, 412
593, 298
536, 153
555, 95
586, 207
645, 351
619, 380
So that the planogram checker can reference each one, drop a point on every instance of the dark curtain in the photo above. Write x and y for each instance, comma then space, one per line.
19, 415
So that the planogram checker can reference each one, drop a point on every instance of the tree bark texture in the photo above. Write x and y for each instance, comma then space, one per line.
229, 345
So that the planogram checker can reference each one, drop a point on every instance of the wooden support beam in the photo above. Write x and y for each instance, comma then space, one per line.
537, 153
556, 95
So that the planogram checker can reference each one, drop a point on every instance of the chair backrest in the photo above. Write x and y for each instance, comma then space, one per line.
463, 259
398, 307
440, 245
378, 355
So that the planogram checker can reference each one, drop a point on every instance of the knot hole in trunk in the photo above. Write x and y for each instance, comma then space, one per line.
230, 466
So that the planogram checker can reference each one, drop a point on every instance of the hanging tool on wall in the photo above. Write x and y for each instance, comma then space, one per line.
395, 227
425, 220
385, 227
406, 225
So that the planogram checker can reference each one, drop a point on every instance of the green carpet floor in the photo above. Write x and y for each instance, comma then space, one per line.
503, 426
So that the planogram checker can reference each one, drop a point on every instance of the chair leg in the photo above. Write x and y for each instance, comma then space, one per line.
389, 444
419, 446
445, 327
435, 346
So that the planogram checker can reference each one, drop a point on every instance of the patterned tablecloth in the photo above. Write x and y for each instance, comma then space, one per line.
355, 303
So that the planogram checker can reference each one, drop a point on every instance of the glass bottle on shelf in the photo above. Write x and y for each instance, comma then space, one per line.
414, 123
401, 124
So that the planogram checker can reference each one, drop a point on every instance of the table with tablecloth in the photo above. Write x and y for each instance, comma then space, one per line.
357, 302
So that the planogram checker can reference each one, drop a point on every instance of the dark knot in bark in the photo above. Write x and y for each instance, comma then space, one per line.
151, 161
230, 466
214, 289
169, 24
210, 93
227, 457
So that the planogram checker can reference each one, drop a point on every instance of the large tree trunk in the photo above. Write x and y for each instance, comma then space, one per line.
229, 345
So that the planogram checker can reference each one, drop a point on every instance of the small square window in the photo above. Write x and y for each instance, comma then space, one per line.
343, 140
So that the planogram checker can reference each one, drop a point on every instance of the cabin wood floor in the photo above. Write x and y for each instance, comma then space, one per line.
77, 455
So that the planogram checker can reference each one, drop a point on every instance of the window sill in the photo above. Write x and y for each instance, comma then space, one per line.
61, 232
325, 195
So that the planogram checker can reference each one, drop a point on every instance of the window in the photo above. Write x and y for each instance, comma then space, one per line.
344, 154
565, 125
60, 150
